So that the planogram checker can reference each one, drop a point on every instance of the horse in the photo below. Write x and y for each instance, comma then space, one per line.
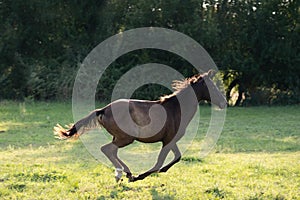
164, 120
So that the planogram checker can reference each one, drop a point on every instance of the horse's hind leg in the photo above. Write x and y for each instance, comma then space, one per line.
126, 170
177, 157
111, 151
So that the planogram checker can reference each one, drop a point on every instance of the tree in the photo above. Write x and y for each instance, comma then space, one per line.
255, 44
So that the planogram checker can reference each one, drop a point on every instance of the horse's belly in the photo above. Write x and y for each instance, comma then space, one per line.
154, 138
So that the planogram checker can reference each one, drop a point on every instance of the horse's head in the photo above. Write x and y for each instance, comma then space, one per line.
206, 90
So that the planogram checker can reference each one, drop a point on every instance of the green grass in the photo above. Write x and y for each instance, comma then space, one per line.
256, 157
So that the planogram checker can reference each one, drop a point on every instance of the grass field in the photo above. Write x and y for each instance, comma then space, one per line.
256, 157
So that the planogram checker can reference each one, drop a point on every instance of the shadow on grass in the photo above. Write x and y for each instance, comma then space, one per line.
155, 195
119, 190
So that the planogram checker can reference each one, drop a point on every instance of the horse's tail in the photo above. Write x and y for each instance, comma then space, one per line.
93, 120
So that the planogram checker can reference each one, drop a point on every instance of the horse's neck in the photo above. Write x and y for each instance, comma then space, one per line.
185, 101
189, 96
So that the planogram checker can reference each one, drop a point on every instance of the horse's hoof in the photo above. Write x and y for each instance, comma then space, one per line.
138, 178
134, 178
118, 179
130, 178
164, 169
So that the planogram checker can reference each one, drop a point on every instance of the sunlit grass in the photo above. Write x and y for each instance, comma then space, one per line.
256, 157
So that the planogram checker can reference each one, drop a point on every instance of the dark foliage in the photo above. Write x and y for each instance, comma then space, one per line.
255, 44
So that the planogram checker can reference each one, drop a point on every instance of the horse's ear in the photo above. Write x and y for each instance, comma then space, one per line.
211, 73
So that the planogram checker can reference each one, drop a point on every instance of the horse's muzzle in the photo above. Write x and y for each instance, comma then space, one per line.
223, 105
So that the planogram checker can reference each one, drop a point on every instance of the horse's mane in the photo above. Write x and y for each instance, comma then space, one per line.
179, 85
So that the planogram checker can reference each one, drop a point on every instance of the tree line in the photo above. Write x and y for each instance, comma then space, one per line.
255, 44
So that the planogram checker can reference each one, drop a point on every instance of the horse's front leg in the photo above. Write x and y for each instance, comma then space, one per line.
177, 157
160, 161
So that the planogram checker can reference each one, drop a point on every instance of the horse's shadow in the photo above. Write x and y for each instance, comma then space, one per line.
154, 191
155, 195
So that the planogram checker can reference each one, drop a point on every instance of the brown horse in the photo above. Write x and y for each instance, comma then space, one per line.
164, 120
